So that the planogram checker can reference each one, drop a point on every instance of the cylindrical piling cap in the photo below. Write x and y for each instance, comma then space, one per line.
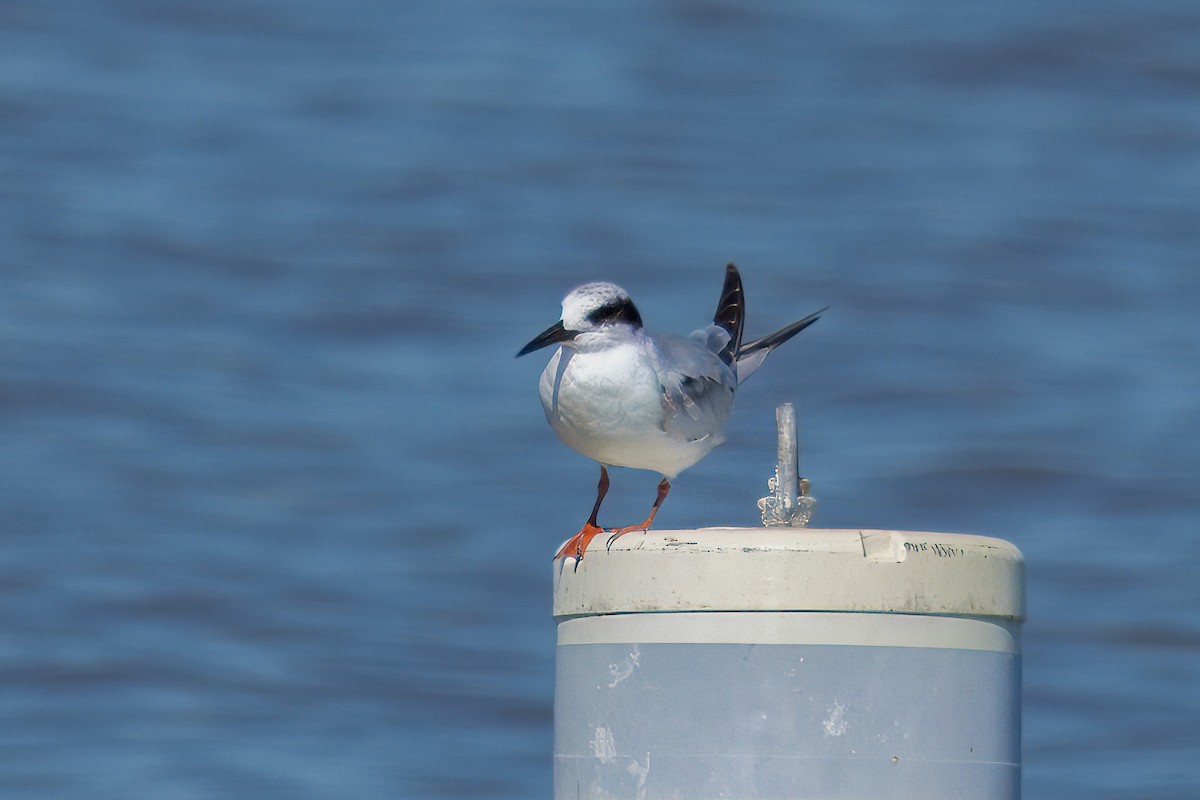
795, 569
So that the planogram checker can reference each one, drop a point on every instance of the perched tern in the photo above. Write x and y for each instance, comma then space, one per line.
627, 398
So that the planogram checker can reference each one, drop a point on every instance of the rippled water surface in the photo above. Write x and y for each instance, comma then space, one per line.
278, 504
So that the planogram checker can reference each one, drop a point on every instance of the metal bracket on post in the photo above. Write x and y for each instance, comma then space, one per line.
790, 503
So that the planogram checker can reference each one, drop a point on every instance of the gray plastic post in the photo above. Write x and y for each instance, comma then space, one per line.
788, 469
789, 502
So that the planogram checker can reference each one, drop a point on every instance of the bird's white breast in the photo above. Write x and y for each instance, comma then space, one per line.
608, 404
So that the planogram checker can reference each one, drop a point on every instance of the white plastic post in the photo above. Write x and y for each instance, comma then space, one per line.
790, 663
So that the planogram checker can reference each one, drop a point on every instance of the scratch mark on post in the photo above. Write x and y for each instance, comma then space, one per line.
604, 747
635, 768
622, 671
836, 724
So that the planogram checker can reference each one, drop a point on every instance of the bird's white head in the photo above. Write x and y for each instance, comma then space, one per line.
586, 310
594, 305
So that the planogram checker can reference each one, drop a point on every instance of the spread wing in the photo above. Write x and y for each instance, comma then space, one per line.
698, 386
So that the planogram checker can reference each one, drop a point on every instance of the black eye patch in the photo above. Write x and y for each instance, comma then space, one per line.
616, 311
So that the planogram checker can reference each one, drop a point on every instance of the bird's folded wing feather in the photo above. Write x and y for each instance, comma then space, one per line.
697, 386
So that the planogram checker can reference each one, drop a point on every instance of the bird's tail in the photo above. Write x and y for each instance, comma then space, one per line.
751, 354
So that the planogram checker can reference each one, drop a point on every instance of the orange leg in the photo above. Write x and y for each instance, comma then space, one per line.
663, 487
575, 546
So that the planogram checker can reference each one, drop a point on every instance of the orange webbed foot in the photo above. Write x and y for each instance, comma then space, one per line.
663, 488
578, 544
619, 532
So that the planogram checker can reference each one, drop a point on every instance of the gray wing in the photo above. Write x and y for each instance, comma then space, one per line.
698, 387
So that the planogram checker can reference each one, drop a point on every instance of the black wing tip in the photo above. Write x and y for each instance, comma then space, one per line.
731, 313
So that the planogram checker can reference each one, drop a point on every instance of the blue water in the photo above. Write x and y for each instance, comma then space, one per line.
277, 503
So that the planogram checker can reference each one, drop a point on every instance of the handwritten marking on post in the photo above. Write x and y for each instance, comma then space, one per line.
934, 549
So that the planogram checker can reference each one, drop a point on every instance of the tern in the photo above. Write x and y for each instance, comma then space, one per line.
627, 398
